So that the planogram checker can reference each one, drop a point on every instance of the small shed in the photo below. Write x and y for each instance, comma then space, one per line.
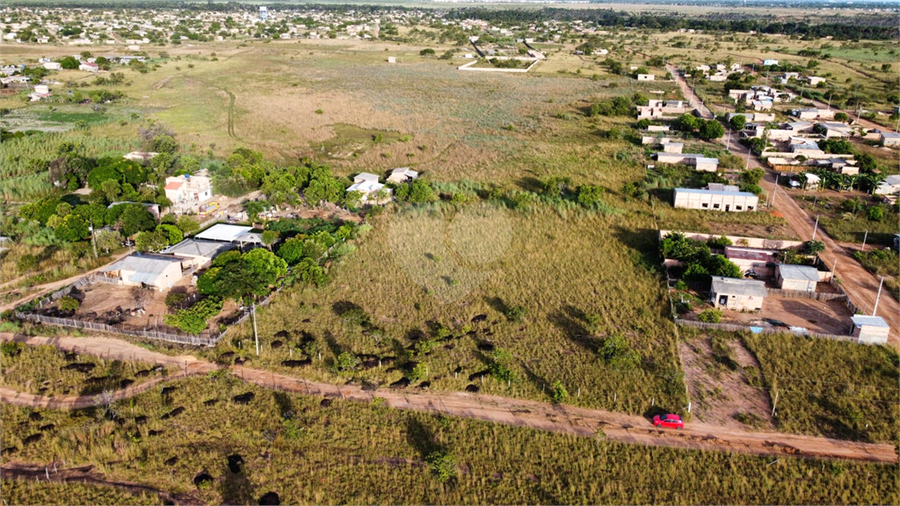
797, 277
870, 329
737, 294
402, 175
230, 233
645, 77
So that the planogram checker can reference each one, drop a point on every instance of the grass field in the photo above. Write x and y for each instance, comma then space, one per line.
38, 493
837, 389
44, 370
355, 453
849, 227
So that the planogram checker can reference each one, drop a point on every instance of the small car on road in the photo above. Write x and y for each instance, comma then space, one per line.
669, 421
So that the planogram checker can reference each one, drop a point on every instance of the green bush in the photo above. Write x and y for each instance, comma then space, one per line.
68, 303
560, 394
442, 465
175, 299
515, 313
11, 349
710, 316
194, 319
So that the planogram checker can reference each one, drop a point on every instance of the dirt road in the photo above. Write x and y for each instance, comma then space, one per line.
861, 285
517, 412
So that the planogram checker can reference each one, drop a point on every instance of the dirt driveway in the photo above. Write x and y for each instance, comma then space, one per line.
517, 412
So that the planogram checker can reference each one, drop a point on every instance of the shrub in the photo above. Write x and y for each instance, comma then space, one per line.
194, 319
11, 349
560, 394
442, 465
515, 313
813, 247
68, 304
175, 299
346, 362
710, 316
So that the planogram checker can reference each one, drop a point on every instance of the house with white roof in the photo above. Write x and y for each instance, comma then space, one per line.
235, 234
890, 186
372, 191
402, 175
889, 139
198, 253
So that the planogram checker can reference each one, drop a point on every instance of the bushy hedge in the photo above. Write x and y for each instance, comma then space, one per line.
194, 319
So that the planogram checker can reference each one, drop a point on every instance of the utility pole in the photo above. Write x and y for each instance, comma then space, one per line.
774, 189
877, 297
255, 333
815, 228
93, 241
866, 236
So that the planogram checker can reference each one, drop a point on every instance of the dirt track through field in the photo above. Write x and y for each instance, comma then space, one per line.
87, 474
859, 284
521, 413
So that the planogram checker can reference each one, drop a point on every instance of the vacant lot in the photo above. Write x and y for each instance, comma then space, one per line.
833, 388
724, 382
340, 452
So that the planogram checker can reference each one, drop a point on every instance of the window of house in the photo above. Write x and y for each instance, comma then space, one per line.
738, 207
715, 206
705, 205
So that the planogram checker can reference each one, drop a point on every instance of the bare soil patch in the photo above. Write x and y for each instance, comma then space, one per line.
721, 393
828, 317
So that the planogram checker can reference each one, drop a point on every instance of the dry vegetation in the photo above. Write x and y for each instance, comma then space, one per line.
342, 452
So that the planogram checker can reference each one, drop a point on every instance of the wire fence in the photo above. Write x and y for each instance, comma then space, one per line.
731, 327
187, 339
802, 294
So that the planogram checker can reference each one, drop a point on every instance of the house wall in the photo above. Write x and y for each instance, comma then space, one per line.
165, 280
738, 302
706, 167
796, 284
714, 202
751, 242
868, 334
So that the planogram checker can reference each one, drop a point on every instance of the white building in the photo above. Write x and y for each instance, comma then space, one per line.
188, 191
729, 199
870, 329
372, 191
737, 294
139, 269
802, 278
402, 175
645, 77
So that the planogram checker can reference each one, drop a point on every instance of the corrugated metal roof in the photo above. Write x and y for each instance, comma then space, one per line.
224, 232
734, 286
146, 268
198, 248
872, 321
799, 272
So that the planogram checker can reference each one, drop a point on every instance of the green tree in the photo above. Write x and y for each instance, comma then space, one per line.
421, 192
154, 240
711, 129
346, 362
426, 52
172, 233
590, 196
108, 240
187, 224
875, 213
813, 247
738, 122
72, 228
291, 250
269, 237
69, 63
136, 218
68, 304
752, 176
164, 143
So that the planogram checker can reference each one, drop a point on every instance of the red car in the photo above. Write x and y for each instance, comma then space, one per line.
669, 421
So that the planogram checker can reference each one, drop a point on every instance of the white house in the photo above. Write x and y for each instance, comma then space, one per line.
768, 62
89, 67
372, 191
890, 186
402, 175
889, 139
140, 156
699, 162
815, 80
729, 199
187, 191
52, 65
802, 278
737, 294
870, 329
159, 271
645, 77
236, 234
